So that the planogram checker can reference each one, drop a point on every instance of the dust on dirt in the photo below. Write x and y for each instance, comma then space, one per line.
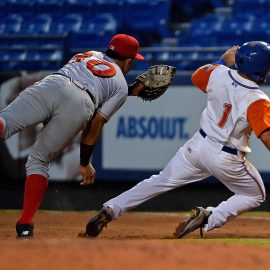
135, 241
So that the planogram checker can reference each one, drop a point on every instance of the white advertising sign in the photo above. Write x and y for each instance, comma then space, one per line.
145, 136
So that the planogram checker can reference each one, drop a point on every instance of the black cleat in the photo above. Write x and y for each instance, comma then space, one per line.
198, 218
96, 224
24, 231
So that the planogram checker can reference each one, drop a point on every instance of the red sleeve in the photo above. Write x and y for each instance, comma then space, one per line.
258, 115
201, 76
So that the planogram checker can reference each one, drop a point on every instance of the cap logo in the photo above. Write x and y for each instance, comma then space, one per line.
125, 46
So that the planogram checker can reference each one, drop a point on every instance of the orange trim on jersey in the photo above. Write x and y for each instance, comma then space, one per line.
258, 115
110, 72
201, 76
80, 56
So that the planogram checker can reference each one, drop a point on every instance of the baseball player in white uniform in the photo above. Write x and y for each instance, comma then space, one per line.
235, 107
83, 95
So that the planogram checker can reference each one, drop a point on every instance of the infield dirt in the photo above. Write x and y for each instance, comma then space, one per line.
135, 241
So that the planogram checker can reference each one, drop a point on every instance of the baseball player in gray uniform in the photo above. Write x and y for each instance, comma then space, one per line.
235, 107
83, 95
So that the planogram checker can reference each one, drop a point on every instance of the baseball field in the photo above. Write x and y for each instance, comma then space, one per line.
138, 240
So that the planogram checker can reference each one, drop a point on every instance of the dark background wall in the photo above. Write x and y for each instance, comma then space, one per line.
72, 196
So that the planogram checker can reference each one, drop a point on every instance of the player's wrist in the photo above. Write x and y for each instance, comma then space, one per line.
135, 88
220, 62
85, 154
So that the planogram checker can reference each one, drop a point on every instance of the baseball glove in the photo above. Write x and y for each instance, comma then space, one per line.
156, 81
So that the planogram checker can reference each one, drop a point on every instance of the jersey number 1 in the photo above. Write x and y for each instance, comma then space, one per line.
225, 115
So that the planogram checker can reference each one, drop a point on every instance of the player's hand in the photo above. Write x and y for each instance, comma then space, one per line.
88, 174
229, 56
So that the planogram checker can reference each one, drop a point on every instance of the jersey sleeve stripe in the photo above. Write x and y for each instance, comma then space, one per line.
103, 115
201, 76
258, 115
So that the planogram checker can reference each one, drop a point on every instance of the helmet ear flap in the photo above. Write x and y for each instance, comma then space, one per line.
241, 60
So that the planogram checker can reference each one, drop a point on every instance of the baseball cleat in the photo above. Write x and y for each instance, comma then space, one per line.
198, 218
24, 231
96, 224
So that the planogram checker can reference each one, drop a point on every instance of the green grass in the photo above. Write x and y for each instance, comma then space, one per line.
9, 210
256, 214
248, 241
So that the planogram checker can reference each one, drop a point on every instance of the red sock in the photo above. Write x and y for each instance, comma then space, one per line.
1, 127
35, 187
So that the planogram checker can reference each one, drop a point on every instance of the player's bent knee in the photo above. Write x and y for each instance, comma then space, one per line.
258, 200
36, 166
261, 199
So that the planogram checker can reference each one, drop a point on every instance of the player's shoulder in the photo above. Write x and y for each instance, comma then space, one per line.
115, 76
97, 54
105, 59
220, 69
208, 70
257, 95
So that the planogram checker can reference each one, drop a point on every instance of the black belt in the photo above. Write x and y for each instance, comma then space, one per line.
224, 148
84, 89
90, 95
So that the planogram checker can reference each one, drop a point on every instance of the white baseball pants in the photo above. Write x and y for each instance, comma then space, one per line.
200, 158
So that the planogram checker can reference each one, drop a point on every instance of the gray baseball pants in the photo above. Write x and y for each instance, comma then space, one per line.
60, 105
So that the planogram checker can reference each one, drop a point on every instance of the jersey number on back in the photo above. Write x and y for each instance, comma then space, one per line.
93, 64
227, 110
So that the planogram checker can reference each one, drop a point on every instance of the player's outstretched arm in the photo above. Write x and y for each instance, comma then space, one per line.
201, 76
229, 56
135, 89
152, 83
89, 139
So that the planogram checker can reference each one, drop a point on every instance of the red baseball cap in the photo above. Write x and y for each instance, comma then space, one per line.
126, 46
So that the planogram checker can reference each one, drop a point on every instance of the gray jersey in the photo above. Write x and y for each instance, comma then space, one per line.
102, 77
62, 105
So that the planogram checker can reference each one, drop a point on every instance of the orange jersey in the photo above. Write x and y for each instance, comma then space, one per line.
235, 106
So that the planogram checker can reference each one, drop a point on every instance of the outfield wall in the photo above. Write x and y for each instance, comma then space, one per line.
142, 137
138, 141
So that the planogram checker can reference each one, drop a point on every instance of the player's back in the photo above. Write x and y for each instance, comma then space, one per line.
97, 73
225, 117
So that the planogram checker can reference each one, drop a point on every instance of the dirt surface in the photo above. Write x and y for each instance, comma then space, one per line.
135, 241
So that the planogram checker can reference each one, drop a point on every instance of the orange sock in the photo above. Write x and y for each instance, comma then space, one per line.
35, 187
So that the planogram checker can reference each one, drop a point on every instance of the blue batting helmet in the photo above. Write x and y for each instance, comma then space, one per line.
253, 60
